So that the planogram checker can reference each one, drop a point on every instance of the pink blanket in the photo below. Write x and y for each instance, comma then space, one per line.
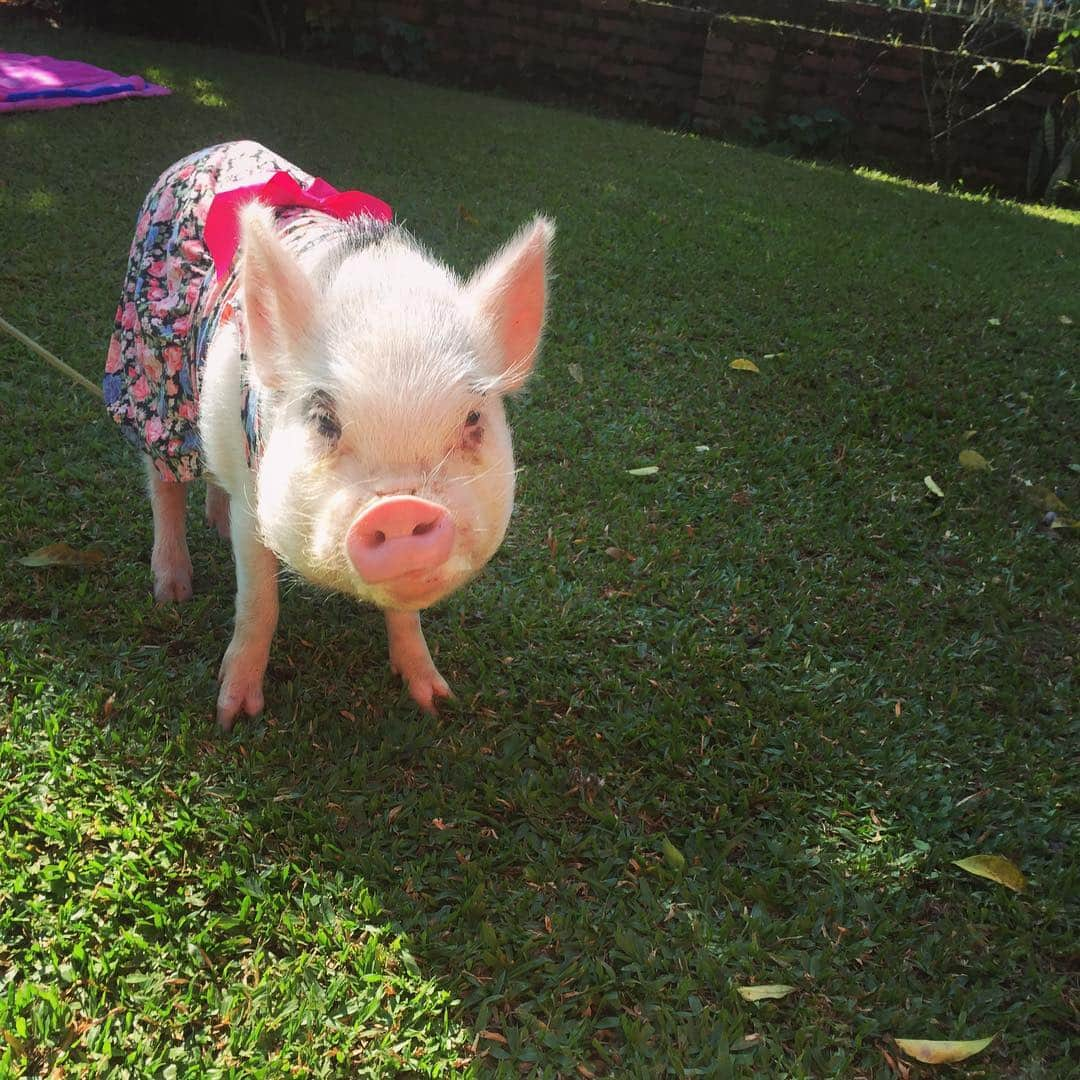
42, 82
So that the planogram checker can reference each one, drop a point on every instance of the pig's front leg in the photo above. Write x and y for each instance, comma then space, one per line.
409, 658
245, 661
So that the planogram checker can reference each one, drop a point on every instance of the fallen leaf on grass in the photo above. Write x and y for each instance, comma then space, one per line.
932, 487
770, 992
702, 449
1044, 498
1065, 523
466, 215
493, 1036
576, 373
742, 364
62, 555
993, 322
1065, 320
672, 855
645, 470
618, 553
899, 1068
942, 1051
996, 868
972, 459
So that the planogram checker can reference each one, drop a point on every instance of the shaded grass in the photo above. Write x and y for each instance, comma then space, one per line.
815, 680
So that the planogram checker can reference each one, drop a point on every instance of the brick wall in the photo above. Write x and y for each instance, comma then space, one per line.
752, 68
715, 72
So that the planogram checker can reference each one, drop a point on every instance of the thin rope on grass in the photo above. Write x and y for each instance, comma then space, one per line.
48, 357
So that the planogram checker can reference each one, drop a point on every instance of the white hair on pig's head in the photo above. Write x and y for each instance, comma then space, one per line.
382, 374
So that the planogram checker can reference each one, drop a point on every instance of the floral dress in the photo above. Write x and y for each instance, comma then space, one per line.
173, 302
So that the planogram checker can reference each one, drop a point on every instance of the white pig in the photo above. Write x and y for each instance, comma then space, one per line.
342, 388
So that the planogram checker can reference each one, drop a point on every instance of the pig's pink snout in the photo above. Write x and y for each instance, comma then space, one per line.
398, 535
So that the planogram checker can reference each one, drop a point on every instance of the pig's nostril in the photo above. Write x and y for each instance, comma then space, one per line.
398, 535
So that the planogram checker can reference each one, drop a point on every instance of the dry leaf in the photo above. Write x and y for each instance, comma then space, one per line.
972, 459
619, 553
62, 555
770, 992
932, 487
392, 813
702, 449
465, 215
576, 373
1044, 498
971, 434
1065, 320
996, 868
645, 470
898, 1067
742, 364
493, 1036
941, 1051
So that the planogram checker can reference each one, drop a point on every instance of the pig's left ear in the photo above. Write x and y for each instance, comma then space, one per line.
509, 293
279, 301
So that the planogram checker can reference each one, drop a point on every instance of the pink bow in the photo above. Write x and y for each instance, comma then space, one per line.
222, 229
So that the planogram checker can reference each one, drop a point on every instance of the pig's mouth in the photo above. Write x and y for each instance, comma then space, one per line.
418, 587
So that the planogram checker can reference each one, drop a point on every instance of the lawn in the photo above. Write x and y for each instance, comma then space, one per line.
725, 724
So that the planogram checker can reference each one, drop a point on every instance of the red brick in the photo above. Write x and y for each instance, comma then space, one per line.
764, 53
748, 73
607, 5
894, 74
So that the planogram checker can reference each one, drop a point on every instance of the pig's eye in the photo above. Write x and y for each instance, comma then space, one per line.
322, 416
472, 419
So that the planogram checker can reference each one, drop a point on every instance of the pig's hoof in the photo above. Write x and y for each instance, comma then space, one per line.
426, 687
237, 697
173, 585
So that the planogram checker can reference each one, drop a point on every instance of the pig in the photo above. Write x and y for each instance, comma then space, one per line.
340, 389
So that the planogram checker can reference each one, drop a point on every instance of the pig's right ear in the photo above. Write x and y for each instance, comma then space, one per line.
279, 301
509, 293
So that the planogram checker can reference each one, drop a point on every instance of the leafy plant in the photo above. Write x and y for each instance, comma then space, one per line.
404, 47
1053, 151
815, 135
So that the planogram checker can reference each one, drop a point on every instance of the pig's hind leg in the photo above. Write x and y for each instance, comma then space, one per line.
410, 658
217, 509
169, 561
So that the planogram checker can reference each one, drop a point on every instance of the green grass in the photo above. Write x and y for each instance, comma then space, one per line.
747, 754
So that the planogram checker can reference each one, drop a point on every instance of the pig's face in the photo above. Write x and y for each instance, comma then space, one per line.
387, 470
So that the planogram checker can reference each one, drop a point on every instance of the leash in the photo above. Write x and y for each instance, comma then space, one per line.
48, 357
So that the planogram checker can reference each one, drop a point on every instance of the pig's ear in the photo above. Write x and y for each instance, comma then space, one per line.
510, 295
279, 300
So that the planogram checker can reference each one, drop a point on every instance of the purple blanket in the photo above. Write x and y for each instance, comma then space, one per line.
42, 82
